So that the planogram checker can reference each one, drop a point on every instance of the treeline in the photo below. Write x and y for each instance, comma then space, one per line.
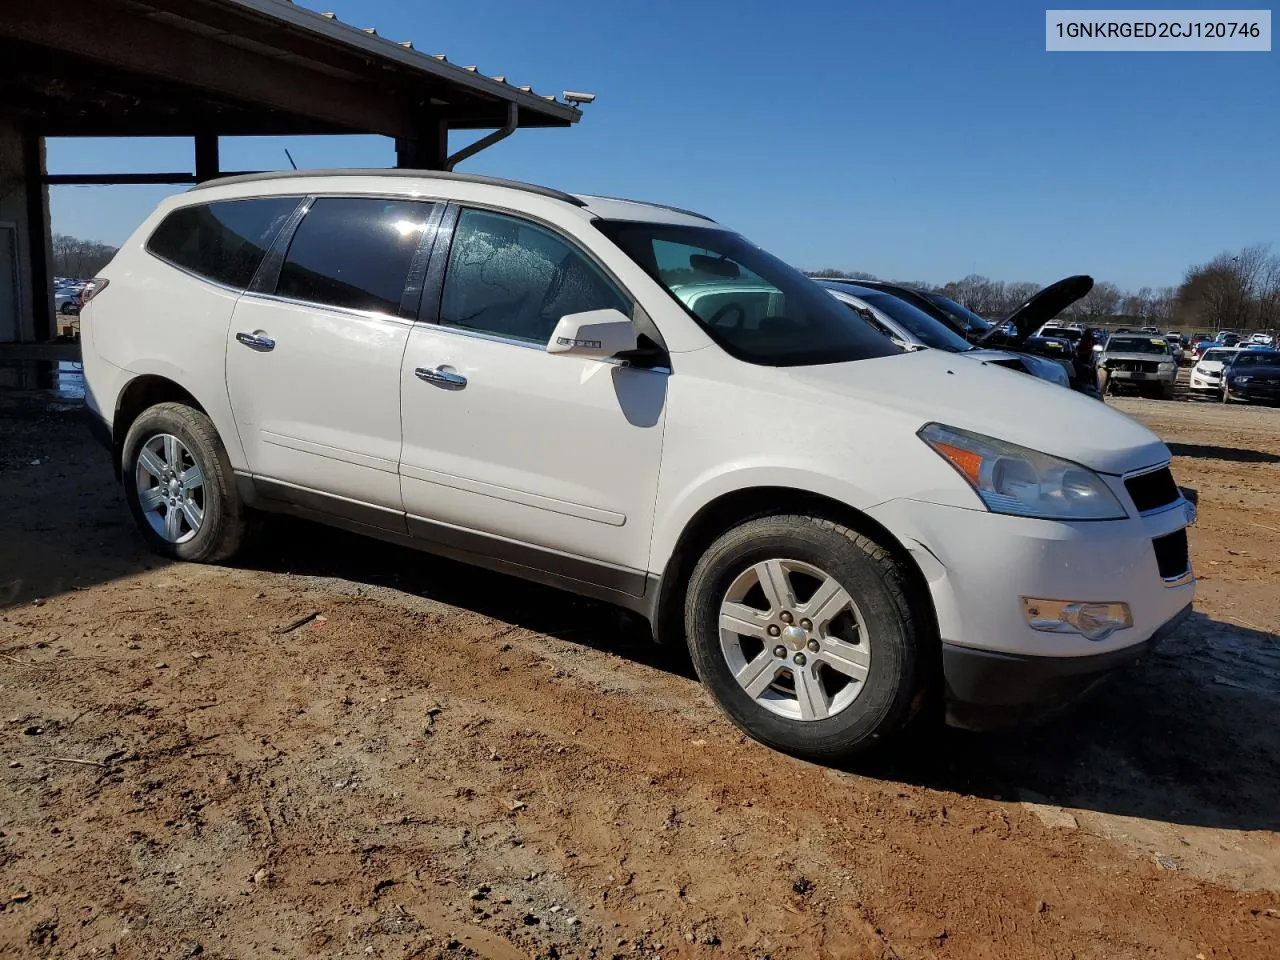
79, 259
1233, 291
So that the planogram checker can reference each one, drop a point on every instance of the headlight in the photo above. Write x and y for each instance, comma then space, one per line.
1240, 379
1166, 364
1025, 483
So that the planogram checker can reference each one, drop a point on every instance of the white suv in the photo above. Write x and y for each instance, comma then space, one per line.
634, 403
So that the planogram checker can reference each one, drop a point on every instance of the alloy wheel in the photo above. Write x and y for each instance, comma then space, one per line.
170, 488
794, 639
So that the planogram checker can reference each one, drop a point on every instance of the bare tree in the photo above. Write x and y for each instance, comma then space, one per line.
82, 259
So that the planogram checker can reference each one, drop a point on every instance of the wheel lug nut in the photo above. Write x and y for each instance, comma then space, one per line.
779, 651
813, 646
773, 630
799, 659
786, 616
806, 624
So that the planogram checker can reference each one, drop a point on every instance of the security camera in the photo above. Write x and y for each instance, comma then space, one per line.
575, 96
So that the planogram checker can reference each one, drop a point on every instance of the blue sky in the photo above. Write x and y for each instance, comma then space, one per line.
921, 140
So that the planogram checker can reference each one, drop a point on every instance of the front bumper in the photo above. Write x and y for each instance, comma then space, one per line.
1260, 392
987, 689
1205, 384
978, 566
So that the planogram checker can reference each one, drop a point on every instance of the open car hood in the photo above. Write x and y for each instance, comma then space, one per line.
1043, 307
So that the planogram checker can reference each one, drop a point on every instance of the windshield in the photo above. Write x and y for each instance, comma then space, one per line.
1136, 345
1066, 333
1222, 356
749, 302
1256, 358
962, 315
915, 321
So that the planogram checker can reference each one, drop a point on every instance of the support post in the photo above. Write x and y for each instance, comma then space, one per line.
207, 163
427, 149
39, 241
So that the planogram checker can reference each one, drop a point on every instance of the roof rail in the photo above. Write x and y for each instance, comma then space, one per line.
394, 172
647, 203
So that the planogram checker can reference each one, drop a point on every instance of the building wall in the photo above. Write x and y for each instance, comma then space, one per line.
18, 315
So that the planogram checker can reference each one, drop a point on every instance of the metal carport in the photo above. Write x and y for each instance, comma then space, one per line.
205, 69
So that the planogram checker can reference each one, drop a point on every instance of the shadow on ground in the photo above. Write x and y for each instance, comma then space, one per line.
1186, 736
1232, 454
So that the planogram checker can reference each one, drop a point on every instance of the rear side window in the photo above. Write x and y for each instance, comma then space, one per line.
354, 252
223, 241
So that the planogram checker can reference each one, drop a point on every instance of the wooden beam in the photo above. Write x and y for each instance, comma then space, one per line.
93, 31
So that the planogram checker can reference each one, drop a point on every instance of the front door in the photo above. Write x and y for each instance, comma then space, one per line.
508, 447
313, 368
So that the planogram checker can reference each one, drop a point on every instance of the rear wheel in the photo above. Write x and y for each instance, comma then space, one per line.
801, 630
180, 487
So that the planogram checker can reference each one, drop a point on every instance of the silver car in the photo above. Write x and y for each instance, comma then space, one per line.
913, 329
1140, 360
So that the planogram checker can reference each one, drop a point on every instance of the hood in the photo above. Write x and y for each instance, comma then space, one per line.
930, 386
1257, 370
1047, 304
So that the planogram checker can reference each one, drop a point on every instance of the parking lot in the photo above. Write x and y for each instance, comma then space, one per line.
338, 748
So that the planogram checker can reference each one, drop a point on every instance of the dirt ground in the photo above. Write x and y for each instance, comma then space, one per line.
336, 748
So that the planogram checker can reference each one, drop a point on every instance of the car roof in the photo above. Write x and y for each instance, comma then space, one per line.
607, 208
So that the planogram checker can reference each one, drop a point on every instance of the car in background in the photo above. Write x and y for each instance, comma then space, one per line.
66, 299
1227, 338
1139, 360
1154, 330
1252, 376
1206, 375
1014, 334
1062, 331
913, 329
1265, 339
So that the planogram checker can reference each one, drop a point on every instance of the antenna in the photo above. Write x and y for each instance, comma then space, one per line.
290, 156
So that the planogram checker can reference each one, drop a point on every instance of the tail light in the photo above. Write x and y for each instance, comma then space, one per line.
92, 289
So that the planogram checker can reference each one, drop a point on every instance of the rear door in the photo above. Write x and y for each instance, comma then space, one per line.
313, 357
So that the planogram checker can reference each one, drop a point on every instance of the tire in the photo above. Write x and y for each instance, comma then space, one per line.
1166, 392
860, 714
222, 516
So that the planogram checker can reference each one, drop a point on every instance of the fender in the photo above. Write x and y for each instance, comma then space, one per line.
676, 512
212, 398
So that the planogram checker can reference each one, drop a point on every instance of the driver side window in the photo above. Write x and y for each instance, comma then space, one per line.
511, 278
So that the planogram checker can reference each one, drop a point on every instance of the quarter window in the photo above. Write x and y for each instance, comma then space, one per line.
511, 278
354, 252
224, 241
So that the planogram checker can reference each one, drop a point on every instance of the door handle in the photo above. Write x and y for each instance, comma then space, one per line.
257, 340
441, 377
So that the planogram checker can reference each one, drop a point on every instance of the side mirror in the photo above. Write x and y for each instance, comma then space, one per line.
599, 334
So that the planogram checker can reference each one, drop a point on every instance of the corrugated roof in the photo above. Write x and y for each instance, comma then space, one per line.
328, 26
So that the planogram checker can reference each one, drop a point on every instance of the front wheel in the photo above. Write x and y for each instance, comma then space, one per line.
801, 630
180, 487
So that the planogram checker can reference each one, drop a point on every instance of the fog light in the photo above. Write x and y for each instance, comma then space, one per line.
1097, 621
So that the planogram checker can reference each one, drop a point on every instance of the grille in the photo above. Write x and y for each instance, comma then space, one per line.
1151, 491
1171, 554
1137, 366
